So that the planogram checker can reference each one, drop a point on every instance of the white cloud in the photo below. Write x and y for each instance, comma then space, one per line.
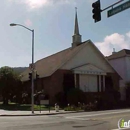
116, 41
128, 34
34, 4
62, 1
28, 22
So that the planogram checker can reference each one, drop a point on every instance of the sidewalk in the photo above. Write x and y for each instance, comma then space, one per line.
37, 113
29, 113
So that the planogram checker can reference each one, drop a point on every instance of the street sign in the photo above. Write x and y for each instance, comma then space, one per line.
118, 9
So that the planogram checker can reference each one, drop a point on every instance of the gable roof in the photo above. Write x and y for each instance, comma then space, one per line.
119, 54
105, 59
48, 65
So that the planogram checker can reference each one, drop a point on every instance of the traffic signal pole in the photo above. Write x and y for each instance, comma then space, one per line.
97, 9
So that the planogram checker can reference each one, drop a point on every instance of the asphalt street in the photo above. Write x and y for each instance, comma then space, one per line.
103, 120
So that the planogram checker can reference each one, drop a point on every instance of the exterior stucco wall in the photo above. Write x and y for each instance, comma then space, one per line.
127, 61
121, 65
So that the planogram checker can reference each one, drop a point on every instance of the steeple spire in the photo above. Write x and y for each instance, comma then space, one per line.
76, 30
76, 37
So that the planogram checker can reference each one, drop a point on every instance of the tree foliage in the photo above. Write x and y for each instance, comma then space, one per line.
9, 80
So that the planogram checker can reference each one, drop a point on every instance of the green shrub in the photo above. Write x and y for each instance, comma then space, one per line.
75, 95
72, 108
90, 107
61, 99
110, 99
91, 97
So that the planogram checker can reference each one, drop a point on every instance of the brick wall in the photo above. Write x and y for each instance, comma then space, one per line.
57, 83
52, 84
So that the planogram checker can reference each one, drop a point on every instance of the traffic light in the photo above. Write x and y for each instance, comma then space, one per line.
96, 11
37, 76
30, 76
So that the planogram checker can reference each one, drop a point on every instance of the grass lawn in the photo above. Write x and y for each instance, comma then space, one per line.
24, 107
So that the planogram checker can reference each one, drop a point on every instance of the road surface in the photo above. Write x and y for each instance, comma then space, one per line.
103, 120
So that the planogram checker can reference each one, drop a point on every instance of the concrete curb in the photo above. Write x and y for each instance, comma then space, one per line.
3, 115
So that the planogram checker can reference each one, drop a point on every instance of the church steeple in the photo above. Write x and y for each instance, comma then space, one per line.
76, 29
76, 37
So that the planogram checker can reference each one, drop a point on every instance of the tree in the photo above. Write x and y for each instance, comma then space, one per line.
8, 83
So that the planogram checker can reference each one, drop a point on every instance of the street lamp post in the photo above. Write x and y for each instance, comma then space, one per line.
32, 81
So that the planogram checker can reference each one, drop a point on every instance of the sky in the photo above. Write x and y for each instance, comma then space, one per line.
53, 23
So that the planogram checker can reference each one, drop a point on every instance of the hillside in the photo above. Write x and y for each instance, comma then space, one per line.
19, 69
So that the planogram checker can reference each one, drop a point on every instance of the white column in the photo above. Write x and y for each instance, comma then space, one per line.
103, 82
99, 83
